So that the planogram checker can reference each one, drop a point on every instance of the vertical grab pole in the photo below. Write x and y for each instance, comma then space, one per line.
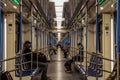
68, 38
36, 37
31, 42
0, 34
37, 42
117, 36
86, 38
49, 38
43, 39
31, 26
74, 42
81, 34
76, 37
31, 33
96, 37
40, 38
20, 39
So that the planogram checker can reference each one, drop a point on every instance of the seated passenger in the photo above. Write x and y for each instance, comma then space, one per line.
42, 66
66, 50
79, 57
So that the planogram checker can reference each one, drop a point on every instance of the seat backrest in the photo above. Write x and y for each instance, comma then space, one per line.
93, 57
25, 67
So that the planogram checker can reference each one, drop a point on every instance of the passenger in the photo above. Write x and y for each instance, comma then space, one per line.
66, 50
79, 57
54, 49
58, 45
42, 66
50, 51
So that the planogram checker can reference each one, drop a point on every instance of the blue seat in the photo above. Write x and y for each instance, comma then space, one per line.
92, 68
26, 69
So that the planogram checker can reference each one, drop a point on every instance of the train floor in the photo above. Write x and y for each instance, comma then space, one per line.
56, 69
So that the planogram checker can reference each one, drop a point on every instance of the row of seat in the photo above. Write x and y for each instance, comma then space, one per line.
26, 69
95, 62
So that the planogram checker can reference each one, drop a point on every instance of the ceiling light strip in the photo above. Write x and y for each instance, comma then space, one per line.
59, 11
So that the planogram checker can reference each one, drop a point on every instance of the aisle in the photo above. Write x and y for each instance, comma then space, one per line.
56, 70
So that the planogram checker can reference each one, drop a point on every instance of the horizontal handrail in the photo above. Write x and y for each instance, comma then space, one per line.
18, 55
104, 70
13, 70
23, 63
94, 54
95, 63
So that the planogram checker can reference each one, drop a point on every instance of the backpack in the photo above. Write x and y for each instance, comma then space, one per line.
41, 57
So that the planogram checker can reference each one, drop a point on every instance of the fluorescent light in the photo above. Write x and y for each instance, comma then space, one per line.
59, 9
66, 0
59, 38
58, 30
35, 21
51, 0
14, 7
5, 43
83, 21
59, 1
5, 4
59, 34
112, 43
59, 23
59, 19
59, 27
112, 5
59, 14
101, 8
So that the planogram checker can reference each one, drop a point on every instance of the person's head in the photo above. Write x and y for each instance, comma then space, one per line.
68, 43
50, 44
79, 45
27, 44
